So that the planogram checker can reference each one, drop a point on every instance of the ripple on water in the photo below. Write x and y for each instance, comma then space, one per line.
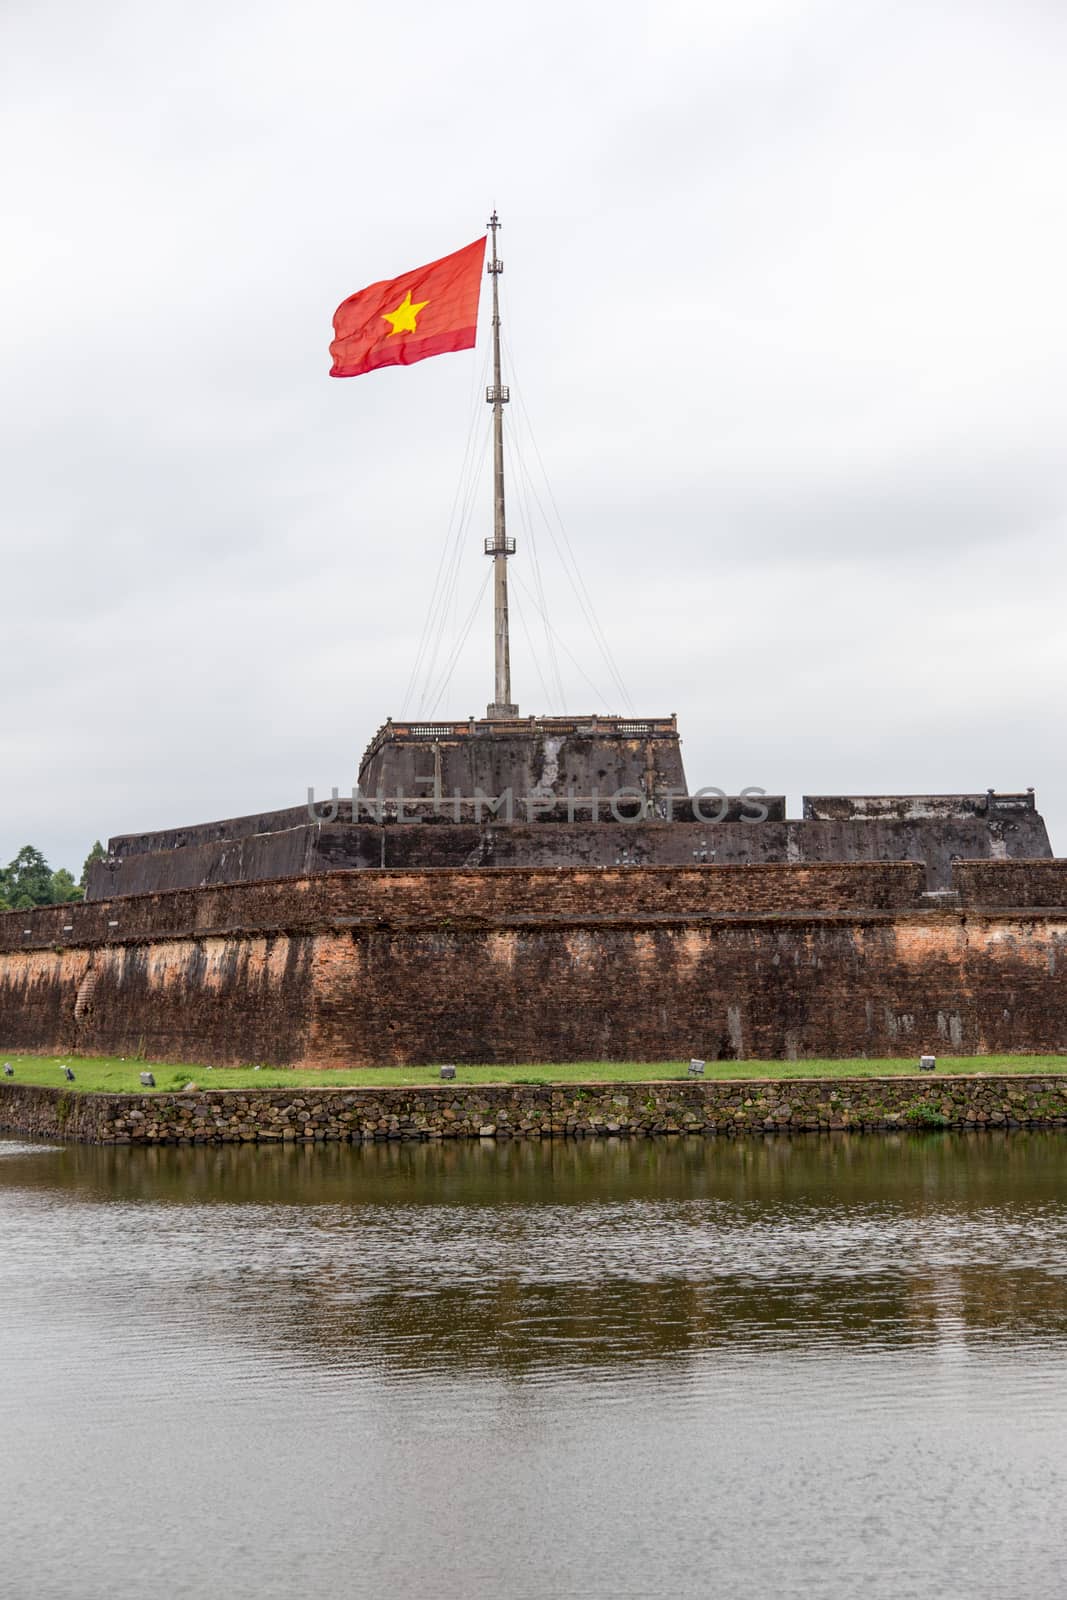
660, 1366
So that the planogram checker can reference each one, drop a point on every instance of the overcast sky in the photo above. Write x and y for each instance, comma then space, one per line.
783, 298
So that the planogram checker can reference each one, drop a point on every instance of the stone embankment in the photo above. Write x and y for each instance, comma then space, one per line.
532, 1111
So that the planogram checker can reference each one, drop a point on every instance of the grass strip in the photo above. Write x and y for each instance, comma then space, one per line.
117, 1075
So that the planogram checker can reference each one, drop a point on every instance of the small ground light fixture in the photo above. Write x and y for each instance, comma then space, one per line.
448, 1072
68, 1074
927, 1063
148, 1080
9, 1071
696, 1069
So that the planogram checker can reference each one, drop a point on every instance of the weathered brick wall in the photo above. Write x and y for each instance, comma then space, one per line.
38, 997
224, 1000
996, 885
476, 894
760, 988
873, 985
755, 1106
285, 853
540, 965
190, 857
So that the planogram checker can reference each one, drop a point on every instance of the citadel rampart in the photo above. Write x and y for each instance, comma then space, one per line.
471, 895
548, 825
514, 965
308, 848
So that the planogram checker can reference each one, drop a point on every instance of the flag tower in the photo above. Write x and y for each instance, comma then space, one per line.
499, 546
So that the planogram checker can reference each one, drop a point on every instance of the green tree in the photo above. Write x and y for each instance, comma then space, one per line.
97, 853
64, 888
29, 880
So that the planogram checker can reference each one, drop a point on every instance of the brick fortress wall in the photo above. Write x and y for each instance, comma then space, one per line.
287, 844
505, 965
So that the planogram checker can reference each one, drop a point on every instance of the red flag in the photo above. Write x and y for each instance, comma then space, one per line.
427, 312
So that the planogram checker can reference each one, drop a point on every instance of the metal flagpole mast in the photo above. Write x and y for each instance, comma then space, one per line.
499, 546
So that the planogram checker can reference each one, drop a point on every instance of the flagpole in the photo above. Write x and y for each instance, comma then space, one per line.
500, 546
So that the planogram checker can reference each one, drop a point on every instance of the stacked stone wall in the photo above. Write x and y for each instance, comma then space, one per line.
524, 1111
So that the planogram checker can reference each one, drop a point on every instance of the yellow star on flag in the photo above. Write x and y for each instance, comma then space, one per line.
403, 318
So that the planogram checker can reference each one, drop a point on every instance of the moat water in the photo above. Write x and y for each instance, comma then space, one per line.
819, 1367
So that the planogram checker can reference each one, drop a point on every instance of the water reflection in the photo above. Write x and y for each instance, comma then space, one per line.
790, 1367
527, 1260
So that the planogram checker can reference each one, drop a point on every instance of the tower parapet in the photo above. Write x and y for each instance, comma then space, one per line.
543, 758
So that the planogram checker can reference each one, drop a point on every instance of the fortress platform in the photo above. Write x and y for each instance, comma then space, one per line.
561, 792
549, 890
